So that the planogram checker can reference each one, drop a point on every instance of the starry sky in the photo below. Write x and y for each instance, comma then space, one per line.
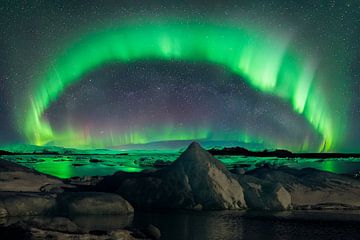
174, 96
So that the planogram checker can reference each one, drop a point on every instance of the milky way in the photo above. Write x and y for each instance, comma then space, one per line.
218, 106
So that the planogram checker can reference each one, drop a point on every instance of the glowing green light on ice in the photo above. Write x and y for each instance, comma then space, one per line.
265, 62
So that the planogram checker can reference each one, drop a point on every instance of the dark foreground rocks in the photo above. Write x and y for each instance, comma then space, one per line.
152, 232
78, 203
38, 206
25, 192
61, 229
16, 178
196, 180
285, 188
14, 204
93, 203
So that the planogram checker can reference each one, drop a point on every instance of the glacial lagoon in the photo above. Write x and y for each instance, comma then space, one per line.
79, 165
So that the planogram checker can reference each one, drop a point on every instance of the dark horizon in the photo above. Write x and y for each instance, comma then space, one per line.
233, 149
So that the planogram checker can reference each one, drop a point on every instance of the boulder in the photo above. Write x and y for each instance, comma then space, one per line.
3, 212
103, 222
282, 198
92, 203
264, 195
58, 229
304, 189
195, 179
59, 224
152, 232
26, 204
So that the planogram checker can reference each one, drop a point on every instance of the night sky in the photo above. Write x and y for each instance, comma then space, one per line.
108, 73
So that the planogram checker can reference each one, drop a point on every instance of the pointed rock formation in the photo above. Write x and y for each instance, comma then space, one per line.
196, 180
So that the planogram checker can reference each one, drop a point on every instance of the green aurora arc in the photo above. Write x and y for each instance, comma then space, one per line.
265, 62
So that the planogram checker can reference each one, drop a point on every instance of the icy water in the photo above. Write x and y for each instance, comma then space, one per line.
231, 225
65, 166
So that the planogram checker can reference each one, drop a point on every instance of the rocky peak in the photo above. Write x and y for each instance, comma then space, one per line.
194, 145
194, 152
210, 183
195, 158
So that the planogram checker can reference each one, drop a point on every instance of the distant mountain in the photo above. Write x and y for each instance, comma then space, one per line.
29, 149
156, 146
279, 153
182, 144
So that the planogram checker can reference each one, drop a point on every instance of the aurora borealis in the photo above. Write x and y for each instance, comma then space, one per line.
264, 65
297, 96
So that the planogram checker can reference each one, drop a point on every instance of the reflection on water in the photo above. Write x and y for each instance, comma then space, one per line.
65, 166
67, 170
226, 225
229, 225
103, 222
